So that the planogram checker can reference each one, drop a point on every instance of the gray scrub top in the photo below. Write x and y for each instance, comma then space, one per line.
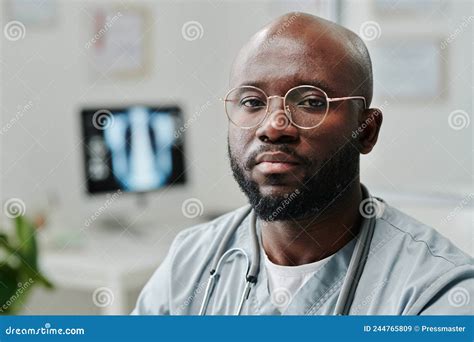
411, 269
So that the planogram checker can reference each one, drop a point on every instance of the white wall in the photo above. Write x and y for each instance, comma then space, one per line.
418, 150
41, 153
420, 163
418, 153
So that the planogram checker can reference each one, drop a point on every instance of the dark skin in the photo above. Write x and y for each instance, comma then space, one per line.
308, 51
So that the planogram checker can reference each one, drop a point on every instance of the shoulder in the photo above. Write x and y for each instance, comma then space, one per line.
211, 230
420, 263
203, 239
417, 238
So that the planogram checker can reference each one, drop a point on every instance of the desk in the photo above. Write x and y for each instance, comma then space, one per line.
114, 261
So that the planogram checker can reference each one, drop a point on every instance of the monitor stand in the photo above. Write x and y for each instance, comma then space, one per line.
142, 199
134, 224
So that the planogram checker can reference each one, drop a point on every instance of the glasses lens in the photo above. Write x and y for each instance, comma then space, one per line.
307, 105
246, 106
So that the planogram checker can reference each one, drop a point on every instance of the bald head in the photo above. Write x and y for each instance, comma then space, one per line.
302, 47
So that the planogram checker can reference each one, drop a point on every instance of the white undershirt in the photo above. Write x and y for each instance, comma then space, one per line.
285, 281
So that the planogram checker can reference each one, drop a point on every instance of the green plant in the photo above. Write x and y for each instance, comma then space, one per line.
19, 266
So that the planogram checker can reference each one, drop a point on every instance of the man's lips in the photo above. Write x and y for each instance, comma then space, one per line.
276, 157
275, 167
276, 162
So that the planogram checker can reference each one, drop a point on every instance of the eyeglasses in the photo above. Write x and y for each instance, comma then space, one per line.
305, 106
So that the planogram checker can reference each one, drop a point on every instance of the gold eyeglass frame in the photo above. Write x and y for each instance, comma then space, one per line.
287, 110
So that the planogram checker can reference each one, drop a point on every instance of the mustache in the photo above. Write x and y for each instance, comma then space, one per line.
251, 160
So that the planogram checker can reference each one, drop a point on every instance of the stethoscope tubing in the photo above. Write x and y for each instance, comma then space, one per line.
351, 280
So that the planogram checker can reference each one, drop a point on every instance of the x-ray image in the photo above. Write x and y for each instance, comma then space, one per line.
133, 149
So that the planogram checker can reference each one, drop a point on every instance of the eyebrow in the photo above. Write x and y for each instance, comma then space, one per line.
315, 83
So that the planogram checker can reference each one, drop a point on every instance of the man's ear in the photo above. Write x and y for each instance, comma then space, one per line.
368, 130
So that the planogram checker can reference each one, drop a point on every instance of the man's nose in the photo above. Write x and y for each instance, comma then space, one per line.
277, 125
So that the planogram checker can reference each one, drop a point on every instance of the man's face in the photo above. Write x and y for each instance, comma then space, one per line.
322, 162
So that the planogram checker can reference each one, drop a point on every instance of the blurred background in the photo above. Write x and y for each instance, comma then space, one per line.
113, 137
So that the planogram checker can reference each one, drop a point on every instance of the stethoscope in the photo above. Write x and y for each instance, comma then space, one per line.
351, 280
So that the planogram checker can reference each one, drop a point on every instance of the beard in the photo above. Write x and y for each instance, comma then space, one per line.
324, 182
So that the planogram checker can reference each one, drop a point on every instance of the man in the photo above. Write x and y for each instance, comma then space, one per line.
300, 95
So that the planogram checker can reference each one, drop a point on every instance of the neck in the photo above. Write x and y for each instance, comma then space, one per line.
293, 243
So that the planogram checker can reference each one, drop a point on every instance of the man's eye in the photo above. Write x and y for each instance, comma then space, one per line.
252, 103
312, 103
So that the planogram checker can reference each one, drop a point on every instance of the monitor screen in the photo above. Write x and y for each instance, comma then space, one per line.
134, 149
